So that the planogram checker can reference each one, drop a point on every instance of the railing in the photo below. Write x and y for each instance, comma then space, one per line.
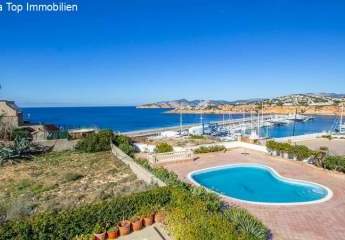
301, 137
159, 158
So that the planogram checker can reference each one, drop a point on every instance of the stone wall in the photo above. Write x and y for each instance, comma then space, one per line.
141, 172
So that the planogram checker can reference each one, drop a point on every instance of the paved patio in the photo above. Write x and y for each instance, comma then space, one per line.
154, 232
307, 222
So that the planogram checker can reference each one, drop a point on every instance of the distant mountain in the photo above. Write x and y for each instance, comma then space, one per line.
312, 99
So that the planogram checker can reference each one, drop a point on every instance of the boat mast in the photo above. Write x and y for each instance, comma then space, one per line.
243, 122
258, 122
251, 120
262, 113
294, 124
341, 118
181, 119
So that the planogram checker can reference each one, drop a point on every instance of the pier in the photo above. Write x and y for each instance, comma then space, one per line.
232, 125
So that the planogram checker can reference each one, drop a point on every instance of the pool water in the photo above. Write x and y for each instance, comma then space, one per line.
259, 184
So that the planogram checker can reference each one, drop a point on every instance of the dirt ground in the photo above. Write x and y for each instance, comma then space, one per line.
62, 180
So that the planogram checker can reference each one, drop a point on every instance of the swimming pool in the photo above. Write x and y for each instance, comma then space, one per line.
259, 184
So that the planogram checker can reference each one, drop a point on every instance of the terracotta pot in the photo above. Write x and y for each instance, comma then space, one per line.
148, 220
159, 217
124, 227
137, 224
113, 234
100, 236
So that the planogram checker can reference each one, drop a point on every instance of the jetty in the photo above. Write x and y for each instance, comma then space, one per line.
232, 125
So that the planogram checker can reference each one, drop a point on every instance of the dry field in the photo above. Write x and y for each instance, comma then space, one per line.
62, 180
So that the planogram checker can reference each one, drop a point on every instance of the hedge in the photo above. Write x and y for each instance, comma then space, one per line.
334, 163
95, 142
81, 220
163, 148
191, 215
300, 151
124, 143
216, 148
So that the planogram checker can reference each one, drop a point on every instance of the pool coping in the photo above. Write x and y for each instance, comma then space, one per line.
275, 174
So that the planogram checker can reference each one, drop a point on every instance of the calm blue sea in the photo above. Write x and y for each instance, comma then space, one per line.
126, 119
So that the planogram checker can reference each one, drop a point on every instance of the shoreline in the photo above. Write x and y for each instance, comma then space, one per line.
233, 112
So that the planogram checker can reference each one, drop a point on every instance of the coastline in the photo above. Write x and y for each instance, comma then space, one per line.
310, 110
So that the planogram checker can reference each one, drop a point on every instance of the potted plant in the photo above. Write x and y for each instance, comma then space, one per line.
160, 216
137, 223
99, 232
147, 216
272, 147
124, 227
113, 232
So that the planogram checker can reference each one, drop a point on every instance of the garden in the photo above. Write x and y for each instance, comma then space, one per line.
188, 213
299, 152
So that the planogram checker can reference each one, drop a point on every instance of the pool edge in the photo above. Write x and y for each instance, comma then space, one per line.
324, 199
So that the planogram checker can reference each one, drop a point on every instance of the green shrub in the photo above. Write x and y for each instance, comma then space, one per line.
246, 224
121, 139
300, 151
95, 142
197, 137
163, 148
124, 143
215, 148
335, 163
271, 145
20, 133
70, 223
166, 176
190, 219
21, 149
211, 200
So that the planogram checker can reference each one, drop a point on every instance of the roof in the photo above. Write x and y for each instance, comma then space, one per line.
83, 130
51, 127
11, 104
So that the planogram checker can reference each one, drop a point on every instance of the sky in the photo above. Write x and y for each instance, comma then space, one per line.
129, 52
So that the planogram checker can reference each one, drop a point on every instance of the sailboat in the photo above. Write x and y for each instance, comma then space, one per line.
341, 122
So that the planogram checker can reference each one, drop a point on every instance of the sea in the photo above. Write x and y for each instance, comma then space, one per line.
128, 119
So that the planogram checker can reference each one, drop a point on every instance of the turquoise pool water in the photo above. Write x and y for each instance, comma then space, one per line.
259, 184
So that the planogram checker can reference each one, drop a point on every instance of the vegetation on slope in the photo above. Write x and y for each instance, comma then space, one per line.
215, 148
61, 180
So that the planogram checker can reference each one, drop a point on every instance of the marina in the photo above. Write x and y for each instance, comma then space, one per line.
145, 122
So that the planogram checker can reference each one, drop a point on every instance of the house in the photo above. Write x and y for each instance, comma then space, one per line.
81, 133
11, 115
41, 132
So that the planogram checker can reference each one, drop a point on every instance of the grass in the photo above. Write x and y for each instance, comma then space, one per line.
61, 180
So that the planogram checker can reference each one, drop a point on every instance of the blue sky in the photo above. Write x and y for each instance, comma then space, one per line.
127, 52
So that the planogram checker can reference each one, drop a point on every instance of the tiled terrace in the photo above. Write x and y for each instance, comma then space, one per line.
307, 222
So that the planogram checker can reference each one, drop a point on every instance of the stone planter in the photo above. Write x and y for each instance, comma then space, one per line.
285, 155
